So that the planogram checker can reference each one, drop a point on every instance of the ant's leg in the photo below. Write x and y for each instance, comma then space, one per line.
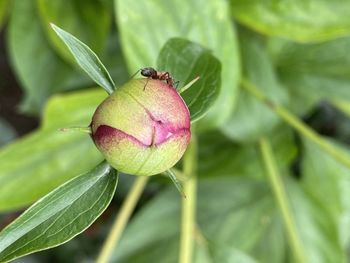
164, 76
176, 83
144, 87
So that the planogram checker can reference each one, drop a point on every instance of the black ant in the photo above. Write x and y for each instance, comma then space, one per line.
151, 73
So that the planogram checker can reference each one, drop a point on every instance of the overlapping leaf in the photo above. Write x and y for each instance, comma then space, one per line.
219, 155
146, 26
186, 61
236, 225
252, 119
49, 157
315, 72
40, 71
330, 196
88, 20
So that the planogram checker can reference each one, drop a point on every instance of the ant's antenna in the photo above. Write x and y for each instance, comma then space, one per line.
133, 75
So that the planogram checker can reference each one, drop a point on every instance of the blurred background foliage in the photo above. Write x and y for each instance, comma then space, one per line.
295, 51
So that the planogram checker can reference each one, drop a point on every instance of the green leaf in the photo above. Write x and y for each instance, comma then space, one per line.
330, 194
232, 159
39, 69
234, 212
4, 4
114, 60
41, 161
343, 105
318, 233
88, 20
145, 26
225, 254
7, 132
47, 158
252, 119
315, 72
60, 215
210, 252
299, 20
87, 60
186, 60
246, 223
72, 109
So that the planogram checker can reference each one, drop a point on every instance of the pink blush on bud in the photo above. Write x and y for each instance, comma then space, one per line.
142, 131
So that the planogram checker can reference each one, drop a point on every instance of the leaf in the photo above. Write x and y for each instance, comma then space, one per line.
224, 254
331, 194
114, 60
210, 252
87, 20
7, 132
60, 215
315, 72
48, 157
145, 27
317, 231
72, 109
40, 71
186, 60
246, 223
219, 155
252, 119
343, 105
87, 60
299, 20
4, 4
234, 213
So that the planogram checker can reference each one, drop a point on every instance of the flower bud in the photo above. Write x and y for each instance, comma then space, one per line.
143, 128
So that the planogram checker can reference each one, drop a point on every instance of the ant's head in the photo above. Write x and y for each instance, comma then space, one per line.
148, 72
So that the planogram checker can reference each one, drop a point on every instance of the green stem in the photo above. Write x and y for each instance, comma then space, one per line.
76, 129
188, 217
122, 219
295, 122
282, 199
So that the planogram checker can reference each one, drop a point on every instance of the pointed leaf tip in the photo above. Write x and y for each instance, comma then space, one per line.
86, 59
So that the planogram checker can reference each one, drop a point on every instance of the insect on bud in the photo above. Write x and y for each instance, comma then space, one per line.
142, 128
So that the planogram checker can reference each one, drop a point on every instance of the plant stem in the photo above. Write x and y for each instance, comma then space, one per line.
188, 218
76, 129
122, 219
282, 200
294, 121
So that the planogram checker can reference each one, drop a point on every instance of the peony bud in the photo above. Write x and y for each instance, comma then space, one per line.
142, 130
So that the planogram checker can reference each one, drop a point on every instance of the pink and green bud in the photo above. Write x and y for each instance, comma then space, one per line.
142, 130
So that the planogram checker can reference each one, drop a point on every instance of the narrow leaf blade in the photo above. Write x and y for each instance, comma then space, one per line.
60, 215
187, 60
86, 59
